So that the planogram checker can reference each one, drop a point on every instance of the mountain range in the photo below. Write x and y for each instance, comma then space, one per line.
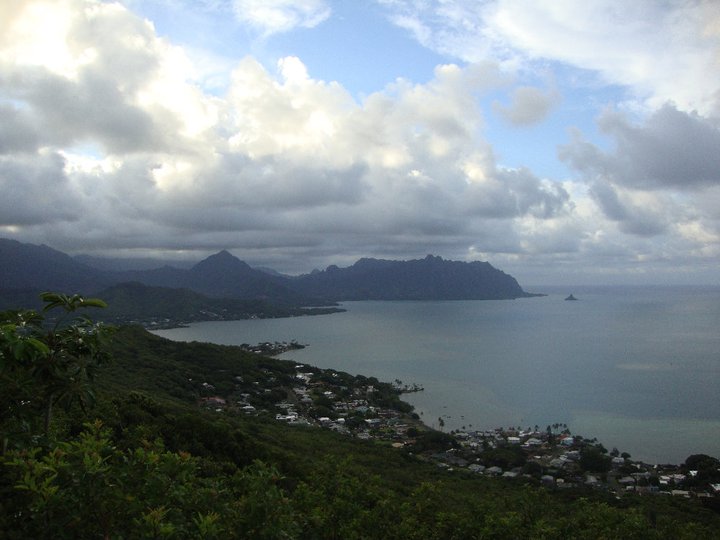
26, 268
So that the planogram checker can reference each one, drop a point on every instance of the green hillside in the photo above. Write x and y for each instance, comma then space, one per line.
170, 449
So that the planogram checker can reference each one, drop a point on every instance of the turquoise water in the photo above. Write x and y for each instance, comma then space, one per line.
638, 368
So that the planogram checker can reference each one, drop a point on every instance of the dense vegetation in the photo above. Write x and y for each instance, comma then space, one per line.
126, 452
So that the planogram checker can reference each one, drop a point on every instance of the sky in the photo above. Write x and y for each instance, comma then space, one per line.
564, 142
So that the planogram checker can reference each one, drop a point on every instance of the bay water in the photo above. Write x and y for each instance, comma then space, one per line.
636, 367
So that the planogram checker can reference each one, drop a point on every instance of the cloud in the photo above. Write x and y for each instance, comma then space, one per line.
110, 140
621, 45
145, 151
453, 28
515, 193
277, 16
36, 190
99, 74
528, 106
633, 218
670, 149
17, 132
659, 179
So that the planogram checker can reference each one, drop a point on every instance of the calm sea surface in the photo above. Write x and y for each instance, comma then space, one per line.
638, 368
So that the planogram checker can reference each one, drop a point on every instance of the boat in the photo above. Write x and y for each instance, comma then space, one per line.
571, 297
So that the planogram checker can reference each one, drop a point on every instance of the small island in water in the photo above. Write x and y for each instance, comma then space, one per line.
571, 297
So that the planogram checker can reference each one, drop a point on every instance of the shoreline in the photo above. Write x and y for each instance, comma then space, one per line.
368, 409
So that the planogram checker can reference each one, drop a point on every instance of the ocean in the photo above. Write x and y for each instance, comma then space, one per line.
636, 367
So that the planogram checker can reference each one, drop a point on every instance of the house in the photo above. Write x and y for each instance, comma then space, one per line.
591, 480
568, 441
213, 401
547, 480
457, 461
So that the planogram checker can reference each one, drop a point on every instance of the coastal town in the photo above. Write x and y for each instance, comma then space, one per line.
365, 408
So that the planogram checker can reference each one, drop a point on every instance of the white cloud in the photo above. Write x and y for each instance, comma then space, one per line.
277, 16
133, 92
663, 51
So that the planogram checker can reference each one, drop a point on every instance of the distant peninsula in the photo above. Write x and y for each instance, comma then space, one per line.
431, 278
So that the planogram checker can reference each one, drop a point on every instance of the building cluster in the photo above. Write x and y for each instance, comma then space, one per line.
322, 398
368, 409
566, 461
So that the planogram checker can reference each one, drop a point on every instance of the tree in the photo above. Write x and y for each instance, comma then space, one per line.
707, 467
593, 459
47, 361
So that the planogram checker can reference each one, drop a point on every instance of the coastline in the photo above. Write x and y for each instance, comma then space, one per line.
366, 408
